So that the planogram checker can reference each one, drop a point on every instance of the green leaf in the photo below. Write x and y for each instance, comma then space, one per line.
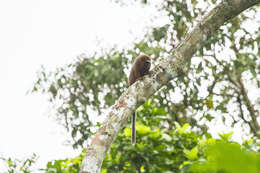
142, 129
208, 117
191, 154
183, 129
226, 136
199, 68
127, 132
252, 70
209, 102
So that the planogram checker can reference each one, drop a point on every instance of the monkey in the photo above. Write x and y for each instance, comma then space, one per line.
140, 67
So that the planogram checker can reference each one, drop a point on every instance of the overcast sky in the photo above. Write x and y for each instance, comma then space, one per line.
50, 33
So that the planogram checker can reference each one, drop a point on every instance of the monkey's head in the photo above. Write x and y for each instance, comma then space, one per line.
146, 62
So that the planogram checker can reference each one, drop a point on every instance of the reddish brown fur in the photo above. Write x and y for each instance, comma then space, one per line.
141, 67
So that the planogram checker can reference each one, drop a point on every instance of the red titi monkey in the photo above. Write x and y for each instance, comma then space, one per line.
141, 67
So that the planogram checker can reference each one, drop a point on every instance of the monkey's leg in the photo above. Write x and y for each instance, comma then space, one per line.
142, 77
133, 128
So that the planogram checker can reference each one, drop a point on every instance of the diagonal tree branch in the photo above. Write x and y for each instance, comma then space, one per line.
168, 69
254, 126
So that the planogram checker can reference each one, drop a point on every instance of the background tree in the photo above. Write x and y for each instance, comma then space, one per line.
220, 75
216, 87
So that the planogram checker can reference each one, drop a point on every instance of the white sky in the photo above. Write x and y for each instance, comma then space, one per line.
49, 33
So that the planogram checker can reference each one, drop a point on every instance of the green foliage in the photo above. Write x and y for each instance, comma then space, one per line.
22, 166
65, 166
157, 149
179, 150
191, 154
228, 157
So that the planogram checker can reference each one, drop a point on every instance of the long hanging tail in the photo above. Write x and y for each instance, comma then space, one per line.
133, 129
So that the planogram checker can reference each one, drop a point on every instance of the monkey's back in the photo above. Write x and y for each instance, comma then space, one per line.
139, 68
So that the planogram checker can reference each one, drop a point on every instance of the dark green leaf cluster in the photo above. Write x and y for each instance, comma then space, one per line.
155, 151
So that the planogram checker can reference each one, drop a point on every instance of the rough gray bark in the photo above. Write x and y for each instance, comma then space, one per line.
169, 68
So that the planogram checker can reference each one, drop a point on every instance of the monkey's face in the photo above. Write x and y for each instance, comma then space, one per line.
147, 63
